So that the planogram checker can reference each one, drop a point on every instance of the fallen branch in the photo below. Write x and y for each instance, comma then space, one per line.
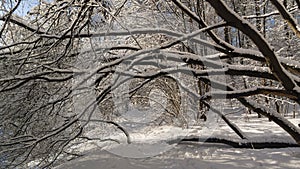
240, 143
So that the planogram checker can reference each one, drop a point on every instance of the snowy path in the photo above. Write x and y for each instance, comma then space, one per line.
203, 155
194, 157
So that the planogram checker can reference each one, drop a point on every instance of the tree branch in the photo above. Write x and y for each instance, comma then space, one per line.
287, 16
271, 58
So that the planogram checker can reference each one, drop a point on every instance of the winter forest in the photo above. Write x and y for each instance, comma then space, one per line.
149, 84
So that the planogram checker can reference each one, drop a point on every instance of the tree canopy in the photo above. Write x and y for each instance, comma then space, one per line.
66, 65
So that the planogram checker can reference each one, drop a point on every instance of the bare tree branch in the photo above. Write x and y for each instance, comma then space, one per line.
287, 17
236, 21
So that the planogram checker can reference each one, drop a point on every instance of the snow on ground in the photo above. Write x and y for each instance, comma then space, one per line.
158, 154
257, 129
205, 156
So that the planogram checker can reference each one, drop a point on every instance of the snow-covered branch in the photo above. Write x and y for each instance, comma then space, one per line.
271, 57
288, 17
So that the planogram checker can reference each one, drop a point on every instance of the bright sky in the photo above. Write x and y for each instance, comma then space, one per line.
25, 6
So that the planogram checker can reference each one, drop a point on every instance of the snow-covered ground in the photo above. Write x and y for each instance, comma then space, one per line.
149, 149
